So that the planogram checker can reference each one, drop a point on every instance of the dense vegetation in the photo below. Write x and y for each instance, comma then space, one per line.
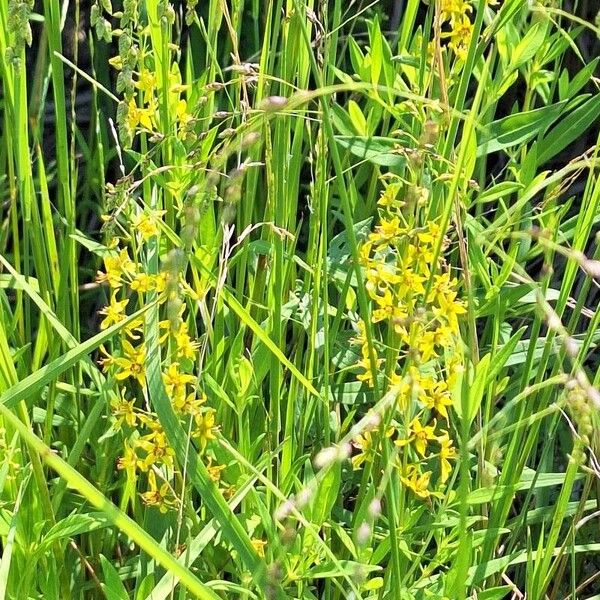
298, 300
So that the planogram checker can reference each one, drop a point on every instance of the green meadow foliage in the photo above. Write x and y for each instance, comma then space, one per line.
299, 300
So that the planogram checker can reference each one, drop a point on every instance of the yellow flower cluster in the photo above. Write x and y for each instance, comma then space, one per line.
146, 115
416, 310
456, 13
147, 456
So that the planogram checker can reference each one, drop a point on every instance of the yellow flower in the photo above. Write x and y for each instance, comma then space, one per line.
140, 116
442, 286
129, 460
114, 312
431, 234
365, 363
449, 309
116, 266
426, 346
442, 336
453, 9
134, 329
132, 364
147, 84
142, 283
364, 442
204, 431
389, 196
175, 381
156, 496
259, 546
389, 309
437, 399
108, 361
146, 224
447, 451
186, 348
416, 481
123, 411
387, 231
157, 450
188, 404
410, 283
183, 116
420, 435
460, 37
214, 471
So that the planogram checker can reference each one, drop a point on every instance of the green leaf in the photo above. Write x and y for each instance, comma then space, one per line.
376, 150
500, 190
478, 387
344, 568
76, 524
517, 129
529, 45
113, 586
498, 362
572, 126
326, 494
358, 119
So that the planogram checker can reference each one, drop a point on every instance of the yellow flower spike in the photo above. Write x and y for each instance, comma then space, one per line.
447, 451
132, 364
114, 312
